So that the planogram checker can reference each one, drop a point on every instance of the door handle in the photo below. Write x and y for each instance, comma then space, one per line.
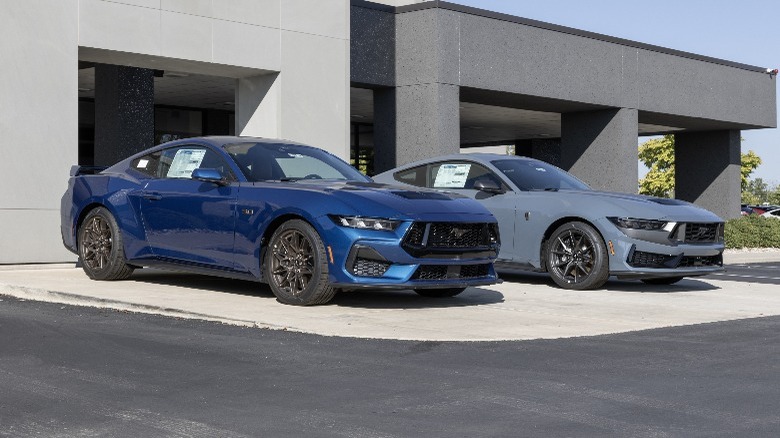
152, 196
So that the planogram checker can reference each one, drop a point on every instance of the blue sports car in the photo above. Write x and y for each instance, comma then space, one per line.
551, 221
290, 215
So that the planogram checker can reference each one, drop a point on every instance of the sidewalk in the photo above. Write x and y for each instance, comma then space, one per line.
523, 307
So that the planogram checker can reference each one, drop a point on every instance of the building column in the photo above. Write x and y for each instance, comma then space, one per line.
258, 106
427, 121
385, 154
600, 148
708, 170
124, 112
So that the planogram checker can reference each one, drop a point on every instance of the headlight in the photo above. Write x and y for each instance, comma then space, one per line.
638, 224
366, 223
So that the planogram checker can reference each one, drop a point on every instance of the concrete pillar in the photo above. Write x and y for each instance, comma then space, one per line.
600, 148
708, 170
258, 106
124, 112
547, 150
385, 154
427, 121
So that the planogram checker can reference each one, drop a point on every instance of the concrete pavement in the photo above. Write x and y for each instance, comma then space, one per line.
525, 306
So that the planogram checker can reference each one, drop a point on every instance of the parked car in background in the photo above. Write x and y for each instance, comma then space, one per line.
551, 221
775, 214
287, 214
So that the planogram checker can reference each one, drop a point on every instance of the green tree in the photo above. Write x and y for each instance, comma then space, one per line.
658, 155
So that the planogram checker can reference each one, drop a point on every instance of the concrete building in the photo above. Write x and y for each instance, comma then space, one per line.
92, 81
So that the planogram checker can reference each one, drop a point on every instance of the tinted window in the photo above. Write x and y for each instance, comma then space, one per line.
536, 175
179, 162
147, 164
416, 176
279, 161
448, 175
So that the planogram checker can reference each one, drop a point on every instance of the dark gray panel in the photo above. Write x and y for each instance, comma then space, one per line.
599, 147
707, 170
124, 112
372, 47
427, 47
427, 121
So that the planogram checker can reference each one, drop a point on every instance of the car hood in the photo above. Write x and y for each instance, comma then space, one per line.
388, 200
637, 206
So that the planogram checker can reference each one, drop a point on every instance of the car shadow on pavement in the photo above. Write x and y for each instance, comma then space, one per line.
203, 282
613, 284
363, 298
408, 299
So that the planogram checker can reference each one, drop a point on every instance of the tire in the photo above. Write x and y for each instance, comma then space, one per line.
665, 280
576, 257
440, 293
296, 267
100, 245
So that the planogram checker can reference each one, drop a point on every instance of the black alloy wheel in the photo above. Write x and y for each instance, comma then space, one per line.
296, 266
100, 247
577, 257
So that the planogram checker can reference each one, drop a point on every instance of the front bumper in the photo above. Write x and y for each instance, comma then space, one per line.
629, 258
379, 259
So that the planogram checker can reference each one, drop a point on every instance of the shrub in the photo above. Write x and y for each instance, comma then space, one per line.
753, 232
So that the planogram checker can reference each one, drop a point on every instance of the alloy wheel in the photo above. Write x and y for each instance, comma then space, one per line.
292, 265
573, 256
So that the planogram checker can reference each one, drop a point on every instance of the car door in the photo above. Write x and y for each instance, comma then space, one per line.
187, 220
460, 176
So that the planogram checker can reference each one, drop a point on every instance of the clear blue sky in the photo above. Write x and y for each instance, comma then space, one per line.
745, 31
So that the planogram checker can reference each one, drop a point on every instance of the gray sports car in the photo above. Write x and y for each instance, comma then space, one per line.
551, 221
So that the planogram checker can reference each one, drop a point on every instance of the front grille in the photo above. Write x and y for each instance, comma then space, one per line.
701, 232
444, 272
640, 259
448, 236
694, 261
369, 268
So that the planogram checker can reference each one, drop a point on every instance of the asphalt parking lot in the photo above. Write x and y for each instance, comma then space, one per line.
524, 306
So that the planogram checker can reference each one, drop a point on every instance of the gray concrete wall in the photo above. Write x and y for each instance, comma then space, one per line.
39, 124
600, 148
302, 45
708, 170
487, 51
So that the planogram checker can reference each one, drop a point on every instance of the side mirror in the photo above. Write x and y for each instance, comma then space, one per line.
209, 175
488, 186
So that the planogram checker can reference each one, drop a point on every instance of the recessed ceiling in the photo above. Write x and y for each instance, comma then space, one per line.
178, 89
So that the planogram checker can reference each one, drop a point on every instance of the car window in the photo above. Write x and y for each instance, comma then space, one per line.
180, 162
536, 175
448, 175
460, 175
289, 162
147, 164
417, 176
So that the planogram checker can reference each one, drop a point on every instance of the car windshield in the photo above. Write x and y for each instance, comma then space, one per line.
289, 162
536, 175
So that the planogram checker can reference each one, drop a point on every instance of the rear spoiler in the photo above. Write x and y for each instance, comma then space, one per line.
86, 170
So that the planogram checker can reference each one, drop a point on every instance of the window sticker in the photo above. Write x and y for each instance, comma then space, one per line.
142, 164
185, 161
452, 176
